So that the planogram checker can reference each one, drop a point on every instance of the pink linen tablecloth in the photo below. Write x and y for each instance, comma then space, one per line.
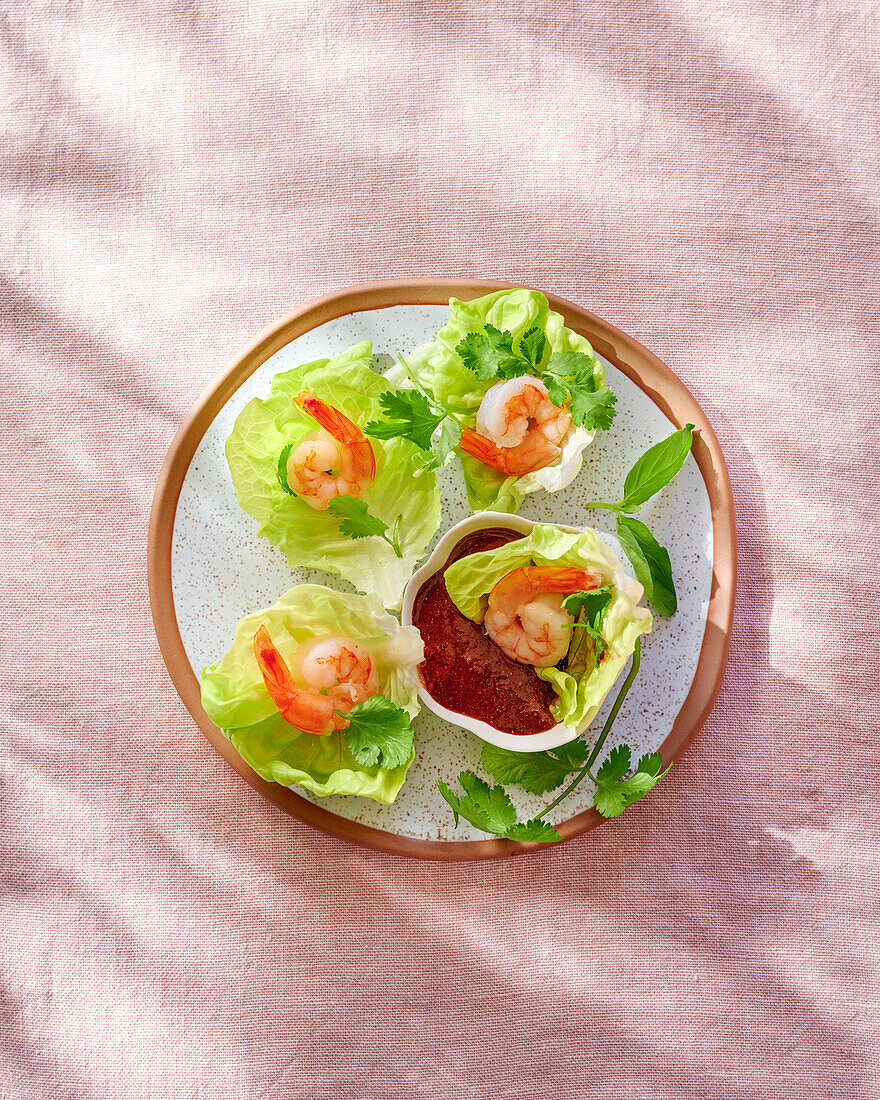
175, 176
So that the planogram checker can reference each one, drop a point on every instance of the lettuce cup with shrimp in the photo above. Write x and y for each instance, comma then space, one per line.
527, 393
319, 691
328, 496
559, 601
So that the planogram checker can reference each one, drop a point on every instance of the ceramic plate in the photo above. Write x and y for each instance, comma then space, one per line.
208, 568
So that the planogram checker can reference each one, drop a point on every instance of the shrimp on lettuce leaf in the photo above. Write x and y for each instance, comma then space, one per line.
299, 454
319, 691
527, 393
513, 591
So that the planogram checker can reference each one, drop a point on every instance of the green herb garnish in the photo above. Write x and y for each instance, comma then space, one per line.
414, 415
490, 355
356, 522
379, 733
569, 375
409, 415
650, 562
650, 473
282, 468
490, 809
614, 792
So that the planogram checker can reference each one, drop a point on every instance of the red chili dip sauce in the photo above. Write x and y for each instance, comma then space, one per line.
463, 668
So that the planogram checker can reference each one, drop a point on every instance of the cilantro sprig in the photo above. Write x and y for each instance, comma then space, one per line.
357, 522
414, 415
490, 808
490, 354
408, 414
379, 733
614, 791
568, 375
649, 474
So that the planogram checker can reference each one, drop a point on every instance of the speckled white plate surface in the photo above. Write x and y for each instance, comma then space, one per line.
221, 570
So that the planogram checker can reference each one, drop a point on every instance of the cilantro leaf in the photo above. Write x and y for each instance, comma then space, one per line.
531, 346
594, 410
650, 562
490, 809
356, 521
592, 603
573, 755
537, 772
379, 733
282, 468
569, 377
410, 415
490, 353
537, 830
443, 448
613, 792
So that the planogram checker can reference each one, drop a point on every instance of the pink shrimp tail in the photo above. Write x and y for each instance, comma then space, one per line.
345, 431
513, 461
304, 710
522, 584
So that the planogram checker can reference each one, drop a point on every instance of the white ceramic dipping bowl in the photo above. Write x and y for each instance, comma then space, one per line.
516, 742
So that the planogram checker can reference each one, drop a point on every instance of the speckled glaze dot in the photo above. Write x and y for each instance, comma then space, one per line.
221, 569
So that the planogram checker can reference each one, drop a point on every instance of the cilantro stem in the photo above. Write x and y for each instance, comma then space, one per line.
606, 729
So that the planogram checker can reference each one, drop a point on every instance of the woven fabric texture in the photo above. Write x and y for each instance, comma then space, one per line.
177, 175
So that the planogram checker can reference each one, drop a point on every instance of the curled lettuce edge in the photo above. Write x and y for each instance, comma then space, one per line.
470, 579
311, 538
236, 700
437, 367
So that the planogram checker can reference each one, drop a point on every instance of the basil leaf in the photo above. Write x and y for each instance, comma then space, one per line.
650, 561
656, 468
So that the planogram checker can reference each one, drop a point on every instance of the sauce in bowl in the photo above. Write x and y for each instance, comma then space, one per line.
463, 669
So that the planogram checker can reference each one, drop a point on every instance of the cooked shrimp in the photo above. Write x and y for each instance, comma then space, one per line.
519, 429
340, 667
333, 461
526, 618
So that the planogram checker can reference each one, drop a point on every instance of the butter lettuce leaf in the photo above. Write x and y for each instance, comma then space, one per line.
470, 579
437, 367
236, 700
311, 538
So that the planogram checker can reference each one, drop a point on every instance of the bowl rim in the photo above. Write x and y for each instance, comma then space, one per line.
640, 365
557, 735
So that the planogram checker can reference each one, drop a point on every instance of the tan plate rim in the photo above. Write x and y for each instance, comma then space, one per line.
651, 375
